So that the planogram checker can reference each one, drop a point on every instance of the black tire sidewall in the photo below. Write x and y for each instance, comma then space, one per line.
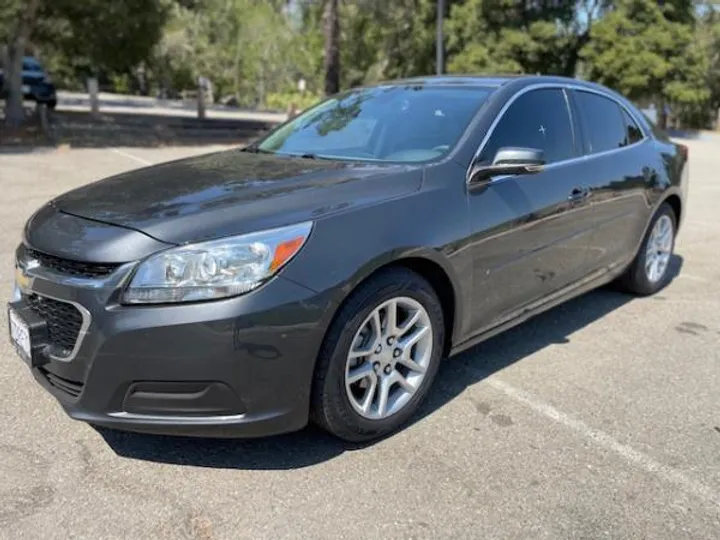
338, 415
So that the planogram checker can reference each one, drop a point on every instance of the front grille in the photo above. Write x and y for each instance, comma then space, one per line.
73, 388
64, 322
69, 267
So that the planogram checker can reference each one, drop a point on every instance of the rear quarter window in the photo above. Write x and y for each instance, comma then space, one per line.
603, 120
634, 133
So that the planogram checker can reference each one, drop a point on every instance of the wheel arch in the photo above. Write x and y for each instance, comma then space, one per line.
675, 203
429, 265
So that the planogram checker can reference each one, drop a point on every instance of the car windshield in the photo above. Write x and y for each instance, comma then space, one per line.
386, 123
31, 65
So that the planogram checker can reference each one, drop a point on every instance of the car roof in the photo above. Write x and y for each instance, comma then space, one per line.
492, 80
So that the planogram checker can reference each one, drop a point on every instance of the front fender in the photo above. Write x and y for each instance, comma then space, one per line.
346, 249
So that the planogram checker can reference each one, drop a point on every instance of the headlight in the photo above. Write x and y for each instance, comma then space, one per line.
215, 269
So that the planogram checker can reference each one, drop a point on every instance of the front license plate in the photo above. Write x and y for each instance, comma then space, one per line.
19, 334
25, 89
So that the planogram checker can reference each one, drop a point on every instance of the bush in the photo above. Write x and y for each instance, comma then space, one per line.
281, 101
120, 83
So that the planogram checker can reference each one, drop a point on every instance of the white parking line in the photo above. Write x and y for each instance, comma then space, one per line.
693, 278
130, 156
701, 223
603, 440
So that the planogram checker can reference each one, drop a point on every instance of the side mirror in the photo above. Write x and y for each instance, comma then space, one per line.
509, 161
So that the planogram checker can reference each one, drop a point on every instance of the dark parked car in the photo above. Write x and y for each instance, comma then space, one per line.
324, 271
36, 83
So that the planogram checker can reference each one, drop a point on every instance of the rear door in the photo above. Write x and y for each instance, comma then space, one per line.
531, 232
621, 165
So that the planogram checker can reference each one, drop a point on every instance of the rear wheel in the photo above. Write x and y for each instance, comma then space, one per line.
649, 272
379, 358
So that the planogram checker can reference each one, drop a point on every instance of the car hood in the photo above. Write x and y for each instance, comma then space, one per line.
234, 192
32, 77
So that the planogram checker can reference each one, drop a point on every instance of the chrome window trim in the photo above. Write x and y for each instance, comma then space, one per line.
559, 86
571, 118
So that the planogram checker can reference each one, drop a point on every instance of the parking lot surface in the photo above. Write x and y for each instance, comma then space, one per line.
598, 419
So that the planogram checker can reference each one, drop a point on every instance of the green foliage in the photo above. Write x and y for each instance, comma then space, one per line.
505, 36
9, 10
707, 44
637, 50
248, 49
282, 101
383, 40
256, 50
97, 37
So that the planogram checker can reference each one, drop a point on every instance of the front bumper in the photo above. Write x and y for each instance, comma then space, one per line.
41, 92
236, 367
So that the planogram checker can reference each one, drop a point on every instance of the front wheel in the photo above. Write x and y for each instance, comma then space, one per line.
379, 358
649, 271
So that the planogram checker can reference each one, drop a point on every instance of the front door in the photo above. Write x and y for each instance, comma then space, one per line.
530, 232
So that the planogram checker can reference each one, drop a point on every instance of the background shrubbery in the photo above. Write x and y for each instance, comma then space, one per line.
254, 51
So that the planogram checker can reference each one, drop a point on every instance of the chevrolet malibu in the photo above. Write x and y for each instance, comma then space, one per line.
322, 272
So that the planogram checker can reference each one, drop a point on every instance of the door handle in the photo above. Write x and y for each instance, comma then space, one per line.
580, 194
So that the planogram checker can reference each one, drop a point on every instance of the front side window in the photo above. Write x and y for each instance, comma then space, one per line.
603, 121
537, 119
386, 124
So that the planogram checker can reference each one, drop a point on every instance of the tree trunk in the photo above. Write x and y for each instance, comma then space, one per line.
331, 21
14, 114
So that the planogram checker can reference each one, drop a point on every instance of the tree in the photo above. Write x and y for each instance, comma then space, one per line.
24, 14
506, 36
99, 38
331, 20
249, 49
383, 40
707, 41
647, 55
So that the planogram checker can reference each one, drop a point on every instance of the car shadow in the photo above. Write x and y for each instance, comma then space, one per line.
312, 445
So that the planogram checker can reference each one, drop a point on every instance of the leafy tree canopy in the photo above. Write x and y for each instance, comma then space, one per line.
662, 51
645, 50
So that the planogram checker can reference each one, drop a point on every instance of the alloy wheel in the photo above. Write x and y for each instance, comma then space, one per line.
388, 358
659, 249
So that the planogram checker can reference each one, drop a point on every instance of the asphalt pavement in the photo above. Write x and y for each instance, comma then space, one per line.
598, 419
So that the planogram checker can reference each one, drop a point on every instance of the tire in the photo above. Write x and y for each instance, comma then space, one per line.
52, 104
637, 279
336, 403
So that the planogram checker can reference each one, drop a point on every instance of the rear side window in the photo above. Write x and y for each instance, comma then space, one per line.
634, 134
603, 120
538, 119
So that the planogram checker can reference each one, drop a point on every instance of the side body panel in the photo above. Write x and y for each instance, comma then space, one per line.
529, 241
